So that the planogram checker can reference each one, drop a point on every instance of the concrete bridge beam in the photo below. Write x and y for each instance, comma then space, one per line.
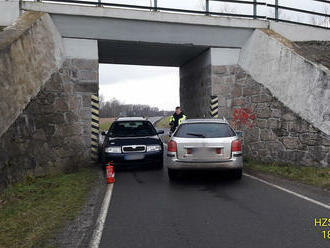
9, 10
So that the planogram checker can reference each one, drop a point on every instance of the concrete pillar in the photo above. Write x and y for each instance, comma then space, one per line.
81, 67
204, 76
195, 85
224, 63
9, 10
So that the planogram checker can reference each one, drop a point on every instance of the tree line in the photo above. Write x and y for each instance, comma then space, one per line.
231, 8
114, 108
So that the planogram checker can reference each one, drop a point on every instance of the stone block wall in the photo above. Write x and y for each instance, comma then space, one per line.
53, 132
298, 77
30, 52
272, 132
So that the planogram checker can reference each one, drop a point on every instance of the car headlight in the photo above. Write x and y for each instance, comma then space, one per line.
153, 148
113, 149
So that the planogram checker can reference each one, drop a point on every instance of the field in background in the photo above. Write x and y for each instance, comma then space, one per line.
319, 177
164, 123
33, 211
105, 123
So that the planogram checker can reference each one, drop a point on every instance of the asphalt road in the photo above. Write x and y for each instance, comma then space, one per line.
207, 210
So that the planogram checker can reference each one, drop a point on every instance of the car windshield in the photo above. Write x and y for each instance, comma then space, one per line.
131, 129
204, 130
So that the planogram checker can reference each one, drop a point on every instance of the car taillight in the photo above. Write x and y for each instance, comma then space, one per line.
172, 146
236, 146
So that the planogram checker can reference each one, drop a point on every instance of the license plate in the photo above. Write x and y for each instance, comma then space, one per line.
134, 156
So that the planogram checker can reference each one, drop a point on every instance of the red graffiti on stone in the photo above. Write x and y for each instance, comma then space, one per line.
243, 117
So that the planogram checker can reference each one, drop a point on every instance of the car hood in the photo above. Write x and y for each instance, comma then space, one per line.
133, 141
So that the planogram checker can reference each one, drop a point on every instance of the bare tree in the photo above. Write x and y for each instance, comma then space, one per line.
114, 108
223, 8
101, 101
322, 20
202, 5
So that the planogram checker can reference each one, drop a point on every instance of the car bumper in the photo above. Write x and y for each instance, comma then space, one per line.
233, 163
120, 160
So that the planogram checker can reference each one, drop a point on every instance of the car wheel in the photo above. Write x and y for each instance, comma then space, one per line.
173, 174
237, 174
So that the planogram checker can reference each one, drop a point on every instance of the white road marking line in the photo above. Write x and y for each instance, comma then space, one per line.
289, 191
97, 233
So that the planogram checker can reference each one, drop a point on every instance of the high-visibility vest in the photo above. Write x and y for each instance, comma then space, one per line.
180, 120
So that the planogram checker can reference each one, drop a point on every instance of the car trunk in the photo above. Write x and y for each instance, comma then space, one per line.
204, 149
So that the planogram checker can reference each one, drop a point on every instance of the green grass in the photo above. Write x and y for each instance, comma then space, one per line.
319, 177
164, 123
31, 212
105, 123
105, 126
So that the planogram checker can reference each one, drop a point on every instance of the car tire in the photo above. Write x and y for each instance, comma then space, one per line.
173, 175
237, 174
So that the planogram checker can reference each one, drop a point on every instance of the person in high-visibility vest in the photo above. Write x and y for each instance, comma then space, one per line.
177, 118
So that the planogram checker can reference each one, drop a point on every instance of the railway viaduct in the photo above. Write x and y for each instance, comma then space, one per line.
271, 79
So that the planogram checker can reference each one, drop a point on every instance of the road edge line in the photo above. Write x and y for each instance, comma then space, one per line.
97, 233
289, 191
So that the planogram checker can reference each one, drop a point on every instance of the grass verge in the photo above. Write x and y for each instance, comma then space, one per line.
163, 123
105, 126
31, 212
105, 123
319, 177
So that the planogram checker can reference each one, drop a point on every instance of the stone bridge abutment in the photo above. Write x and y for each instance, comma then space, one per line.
275, 129
49, 72
52, 130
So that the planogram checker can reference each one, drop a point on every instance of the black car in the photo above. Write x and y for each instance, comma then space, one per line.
132, 142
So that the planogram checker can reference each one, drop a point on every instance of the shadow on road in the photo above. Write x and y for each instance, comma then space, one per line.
205, 178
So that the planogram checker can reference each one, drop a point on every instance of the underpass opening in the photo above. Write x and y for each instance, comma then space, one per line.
137, 90
157, 55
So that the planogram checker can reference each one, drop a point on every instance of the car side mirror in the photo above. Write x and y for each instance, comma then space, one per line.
160, 132
104, 133
239, 134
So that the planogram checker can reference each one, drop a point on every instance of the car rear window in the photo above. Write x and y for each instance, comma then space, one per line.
204, 130
131, 129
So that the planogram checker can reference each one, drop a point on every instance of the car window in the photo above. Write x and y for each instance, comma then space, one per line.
204, 130
131, 129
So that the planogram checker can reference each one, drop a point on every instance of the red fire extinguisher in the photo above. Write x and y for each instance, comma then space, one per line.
110, 173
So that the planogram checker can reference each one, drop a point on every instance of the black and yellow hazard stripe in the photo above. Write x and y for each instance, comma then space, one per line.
214, 107
94, 126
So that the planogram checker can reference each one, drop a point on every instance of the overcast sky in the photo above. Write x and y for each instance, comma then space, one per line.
159, 86
152, 85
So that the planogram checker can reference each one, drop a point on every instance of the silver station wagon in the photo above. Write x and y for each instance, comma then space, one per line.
204, 144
